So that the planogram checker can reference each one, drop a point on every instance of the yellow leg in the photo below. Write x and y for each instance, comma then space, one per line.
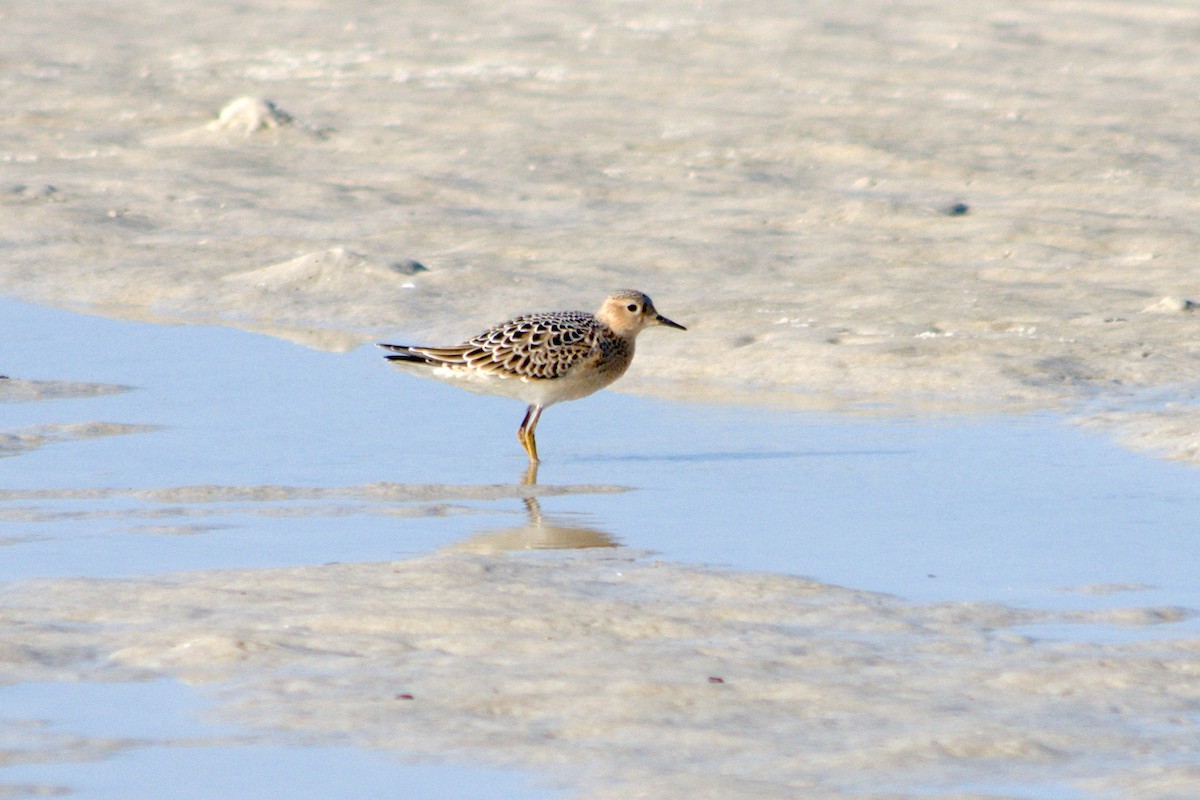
525, 432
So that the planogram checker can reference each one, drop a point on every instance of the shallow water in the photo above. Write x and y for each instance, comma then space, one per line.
234, 450
259, 453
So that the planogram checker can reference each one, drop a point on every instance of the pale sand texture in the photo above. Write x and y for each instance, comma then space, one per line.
14, 390
779, 177
197, 502
603, 669
20, 440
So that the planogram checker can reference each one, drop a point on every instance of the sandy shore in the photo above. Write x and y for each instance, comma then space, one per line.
916, 205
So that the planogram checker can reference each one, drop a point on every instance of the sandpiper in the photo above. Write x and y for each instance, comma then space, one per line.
543, 359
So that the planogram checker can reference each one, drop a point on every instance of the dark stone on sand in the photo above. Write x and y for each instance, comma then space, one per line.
409, 267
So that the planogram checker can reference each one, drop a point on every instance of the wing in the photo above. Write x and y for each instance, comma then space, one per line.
535, 346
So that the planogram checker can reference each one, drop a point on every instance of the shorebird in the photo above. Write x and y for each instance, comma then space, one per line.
542, 359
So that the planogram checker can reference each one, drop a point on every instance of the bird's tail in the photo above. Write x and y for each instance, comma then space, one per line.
405, 353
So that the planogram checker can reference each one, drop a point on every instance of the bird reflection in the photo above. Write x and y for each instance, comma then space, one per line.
540, 532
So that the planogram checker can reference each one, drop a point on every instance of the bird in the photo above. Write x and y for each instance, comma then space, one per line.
543, 358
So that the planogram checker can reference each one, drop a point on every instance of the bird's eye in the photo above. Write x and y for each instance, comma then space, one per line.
632, 307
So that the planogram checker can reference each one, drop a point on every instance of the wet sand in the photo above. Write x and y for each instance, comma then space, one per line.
645, 679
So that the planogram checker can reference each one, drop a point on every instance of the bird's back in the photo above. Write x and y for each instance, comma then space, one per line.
540, 358
536, 346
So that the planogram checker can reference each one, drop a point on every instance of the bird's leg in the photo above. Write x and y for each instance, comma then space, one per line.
525, 432
521, 430
533, 421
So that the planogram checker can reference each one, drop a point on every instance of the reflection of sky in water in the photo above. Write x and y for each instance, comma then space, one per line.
997, 509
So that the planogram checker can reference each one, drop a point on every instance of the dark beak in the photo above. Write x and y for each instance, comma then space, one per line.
661, 320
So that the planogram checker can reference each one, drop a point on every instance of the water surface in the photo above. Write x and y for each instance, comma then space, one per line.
201, 449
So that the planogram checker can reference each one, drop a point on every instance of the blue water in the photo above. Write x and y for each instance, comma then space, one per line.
1013, 510
1005, 509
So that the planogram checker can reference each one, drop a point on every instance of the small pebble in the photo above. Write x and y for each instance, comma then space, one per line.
956, 209
409, 267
